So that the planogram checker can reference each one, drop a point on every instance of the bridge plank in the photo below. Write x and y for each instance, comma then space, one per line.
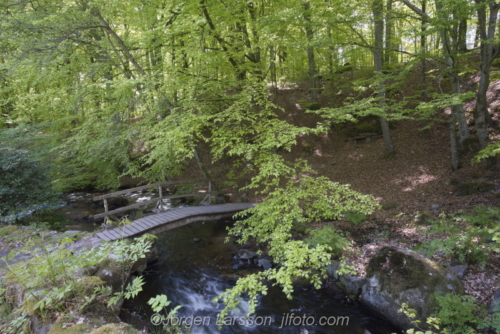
133, 228
171, 219
141, 224
103, 236
112, 234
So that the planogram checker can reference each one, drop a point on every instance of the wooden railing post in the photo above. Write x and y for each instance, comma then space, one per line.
160, 201
209, 192
244, 195
105, 211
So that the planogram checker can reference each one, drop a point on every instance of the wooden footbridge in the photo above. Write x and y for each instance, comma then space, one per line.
176, 217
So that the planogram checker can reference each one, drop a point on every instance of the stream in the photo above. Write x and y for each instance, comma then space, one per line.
195, 265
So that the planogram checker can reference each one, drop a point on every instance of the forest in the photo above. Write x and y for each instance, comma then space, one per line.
358, 112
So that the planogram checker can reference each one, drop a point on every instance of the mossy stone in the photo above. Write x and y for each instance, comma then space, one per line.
9, 229
485, 187
397, 276
404, 272
422, 219
477, 175
116, 329
471, 188
389, 205
467, 188
62, 328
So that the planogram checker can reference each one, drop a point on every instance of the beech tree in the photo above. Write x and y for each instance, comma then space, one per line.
138, 88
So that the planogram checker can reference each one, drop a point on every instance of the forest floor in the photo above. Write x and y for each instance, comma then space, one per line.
417, 179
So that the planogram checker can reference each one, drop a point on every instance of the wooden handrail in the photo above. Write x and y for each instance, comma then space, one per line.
157, 184
159, 199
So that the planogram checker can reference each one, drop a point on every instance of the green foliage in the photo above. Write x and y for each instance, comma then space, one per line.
459, 314
54, 280
489, 151
495, 236
455, 315
433, 323
24, 185
298, 261
334, 239
442, 101
466, 248
467, 244
355, 217
345, 268
305, 199
158, 304
481, 216
131, 290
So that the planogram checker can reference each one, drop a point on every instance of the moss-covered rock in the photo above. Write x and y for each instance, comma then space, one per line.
397, 276
116, 329
422, 219
389, 205
9, 229
350, 285
471, 188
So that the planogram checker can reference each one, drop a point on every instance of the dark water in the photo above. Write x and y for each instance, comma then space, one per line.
192, 273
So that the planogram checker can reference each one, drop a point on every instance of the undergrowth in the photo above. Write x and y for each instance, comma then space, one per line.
466, 237
56, 280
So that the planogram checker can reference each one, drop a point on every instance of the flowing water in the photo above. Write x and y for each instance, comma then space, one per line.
195, 266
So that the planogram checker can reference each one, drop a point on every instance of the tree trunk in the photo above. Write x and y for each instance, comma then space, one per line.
459, 110
450, 54
378, 6
390, 54
462, 36
313, 86
423, 71
272, 70
455, 160
487, 35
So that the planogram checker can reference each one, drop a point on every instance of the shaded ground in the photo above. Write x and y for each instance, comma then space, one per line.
419, 178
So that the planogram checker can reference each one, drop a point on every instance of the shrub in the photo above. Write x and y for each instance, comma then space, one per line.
24, 186
355, 217
465, 244
330, 237
460, 314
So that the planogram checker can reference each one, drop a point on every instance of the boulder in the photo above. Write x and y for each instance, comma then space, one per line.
460, 270
397, 276
120, 328
471, 188
245, 254
351, 285
389, 205
495, 303
265, 264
